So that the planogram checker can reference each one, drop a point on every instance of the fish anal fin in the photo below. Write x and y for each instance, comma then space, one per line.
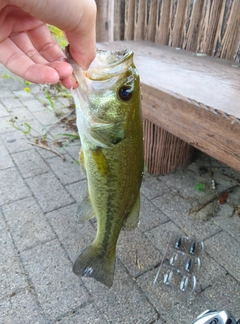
132, 219
91, 263
84, 210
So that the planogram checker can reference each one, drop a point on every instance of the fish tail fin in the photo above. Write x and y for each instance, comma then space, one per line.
91, 263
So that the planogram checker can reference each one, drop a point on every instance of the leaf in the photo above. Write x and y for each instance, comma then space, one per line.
200, 187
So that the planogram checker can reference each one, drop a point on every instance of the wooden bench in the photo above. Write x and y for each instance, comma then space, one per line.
189, 99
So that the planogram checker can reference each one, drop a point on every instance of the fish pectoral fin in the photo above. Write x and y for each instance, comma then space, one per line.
91, 263
132, 219
81, 160
100, 161
84, 210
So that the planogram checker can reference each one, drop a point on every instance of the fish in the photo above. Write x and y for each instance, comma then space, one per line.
110, 126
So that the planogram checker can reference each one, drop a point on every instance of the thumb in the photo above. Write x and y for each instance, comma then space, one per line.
82, 40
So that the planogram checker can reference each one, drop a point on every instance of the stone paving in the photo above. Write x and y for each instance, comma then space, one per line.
40, 235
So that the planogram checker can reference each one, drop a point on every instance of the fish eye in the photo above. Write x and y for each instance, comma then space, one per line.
125, 93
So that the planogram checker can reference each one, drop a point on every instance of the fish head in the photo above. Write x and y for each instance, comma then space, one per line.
108, 97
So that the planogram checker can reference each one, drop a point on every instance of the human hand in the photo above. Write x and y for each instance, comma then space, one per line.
27, 47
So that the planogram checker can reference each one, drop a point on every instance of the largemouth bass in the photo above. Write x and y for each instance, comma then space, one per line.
109, 120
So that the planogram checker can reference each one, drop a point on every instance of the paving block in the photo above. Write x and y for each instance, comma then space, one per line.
5, 126
2, 221
84, 315
172, 205
3, 111
30, 163
20, 308
173, 306
228, 221
34, 105
22, 115
123, 303
137, 252
73, 235
73, 149
12, 186
5, 159
182, 182
68, 171
11, 278
209, 271
49, 192
23, 95
150, 215
224, 294
78, 190
177, 209
15, 141
152, 187
11, 102
58, 289
46, 117
5, 92
224, 249
27, 223
159, 235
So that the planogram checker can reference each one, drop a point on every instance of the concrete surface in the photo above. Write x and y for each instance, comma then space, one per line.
40, 235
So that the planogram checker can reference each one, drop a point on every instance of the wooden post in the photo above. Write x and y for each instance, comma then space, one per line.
105, 20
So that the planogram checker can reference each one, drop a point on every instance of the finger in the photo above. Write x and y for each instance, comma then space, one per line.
22, 41
76, 18
83, 40
17, 62
45, 44
69, 82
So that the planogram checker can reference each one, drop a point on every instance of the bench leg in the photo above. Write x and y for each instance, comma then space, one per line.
163, 151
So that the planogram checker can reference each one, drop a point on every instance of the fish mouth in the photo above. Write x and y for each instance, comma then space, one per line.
109, 63
105, 65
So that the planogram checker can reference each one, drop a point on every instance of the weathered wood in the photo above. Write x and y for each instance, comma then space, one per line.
105, 20
163, 13
163, 151
195, 98
119, 12
227, 35
150, 20
208, 26
140, 9
177, 14
191, 25
129, 19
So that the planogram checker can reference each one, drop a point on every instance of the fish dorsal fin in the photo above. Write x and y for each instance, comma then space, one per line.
132, 219
84, 210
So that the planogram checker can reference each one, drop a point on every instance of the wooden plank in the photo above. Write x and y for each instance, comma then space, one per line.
119, 11
191, 25
228, 32
140, 7
208, 27
163, 15
150, 20
129, 19
209, 132
105, 20
210, 81
177, 14
194, 97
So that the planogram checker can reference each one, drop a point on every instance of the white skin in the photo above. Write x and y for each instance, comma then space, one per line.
27, 47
